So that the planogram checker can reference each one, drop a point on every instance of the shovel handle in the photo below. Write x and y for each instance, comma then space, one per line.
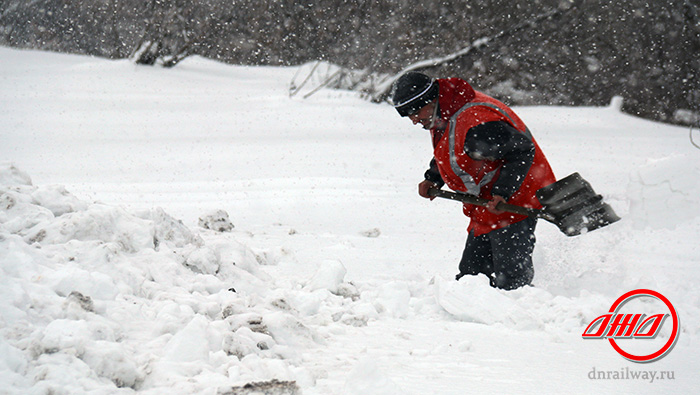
471, 199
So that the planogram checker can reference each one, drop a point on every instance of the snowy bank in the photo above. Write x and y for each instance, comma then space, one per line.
94, 297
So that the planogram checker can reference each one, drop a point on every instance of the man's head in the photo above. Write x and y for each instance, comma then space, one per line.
412, 92
427, 117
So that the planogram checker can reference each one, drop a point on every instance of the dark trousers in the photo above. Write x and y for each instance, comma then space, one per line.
504, 255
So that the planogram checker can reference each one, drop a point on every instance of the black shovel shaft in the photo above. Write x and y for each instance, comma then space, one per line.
570, 204
471, 199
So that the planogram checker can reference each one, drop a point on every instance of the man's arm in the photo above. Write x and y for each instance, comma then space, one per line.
432, 180
433, 174
498, 140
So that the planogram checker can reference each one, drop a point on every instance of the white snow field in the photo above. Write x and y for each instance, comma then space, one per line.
120, 273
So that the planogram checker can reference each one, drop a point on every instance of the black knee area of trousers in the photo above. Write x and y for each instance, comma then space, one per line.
504, 255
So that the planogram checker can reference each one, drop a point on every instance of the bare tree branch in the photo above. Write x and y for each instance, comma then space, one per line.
382, 91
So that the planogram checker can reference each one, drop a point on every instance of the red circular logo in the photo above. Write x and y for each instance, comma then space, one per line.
674, 332
615, 325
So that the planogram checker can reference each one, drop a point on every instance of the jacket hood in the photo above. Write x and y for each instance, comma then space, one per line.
454, 94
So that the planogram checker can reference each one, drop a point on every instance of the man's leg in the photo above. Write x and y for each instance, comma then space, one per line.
512, 248
476, 257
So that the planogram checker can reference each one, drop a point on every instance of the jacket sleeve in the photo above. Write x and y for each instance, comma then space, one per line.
433, 174
498, 140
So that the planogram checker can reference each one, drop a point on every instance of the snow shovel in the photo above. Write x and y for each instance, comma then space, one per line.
570, 204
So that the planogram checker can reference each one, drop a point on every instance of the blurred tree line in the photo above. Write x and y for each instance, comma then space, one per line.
550, 52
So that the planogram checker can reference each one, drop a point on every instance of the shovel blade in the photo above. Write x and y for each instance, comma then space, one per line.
574, 207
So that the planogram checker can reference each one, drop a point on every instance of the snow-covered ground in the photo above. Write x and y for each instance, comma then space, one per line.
336, 277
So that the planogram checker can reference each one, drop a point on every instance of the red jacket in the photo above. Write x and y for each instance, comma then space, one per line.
465, 108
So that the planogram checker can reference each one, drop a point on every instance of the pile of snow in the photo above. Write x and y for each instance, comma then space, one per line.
92, 295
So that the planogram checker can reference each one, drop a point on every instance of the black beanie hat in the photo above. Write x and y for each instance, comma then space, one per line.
412, 91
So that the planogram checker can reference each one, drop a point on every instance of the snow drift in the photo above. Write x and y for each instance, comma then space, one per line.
96, 297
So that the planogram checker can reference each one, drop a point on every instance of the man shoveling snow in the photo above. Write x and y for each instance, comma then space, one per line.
482, 148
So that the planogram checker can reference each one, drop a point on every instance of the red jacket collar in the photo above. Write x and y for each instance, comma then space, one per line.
454, 94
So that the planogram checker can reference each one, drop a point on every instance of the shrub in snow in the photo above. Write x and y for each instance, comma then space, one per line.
217, 220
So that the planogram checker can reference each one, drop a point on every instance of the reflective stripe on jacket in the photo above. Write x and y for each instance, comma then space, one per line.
463, 173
